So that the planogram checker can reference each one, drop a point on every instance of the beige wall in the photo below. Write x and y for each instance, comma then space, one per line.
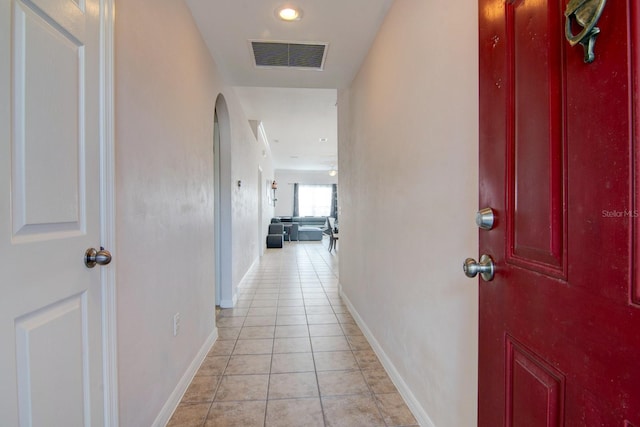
166, 89
408, 178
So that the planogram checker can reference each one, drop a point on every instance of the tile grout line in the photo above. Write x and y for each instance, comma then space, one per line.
315, 366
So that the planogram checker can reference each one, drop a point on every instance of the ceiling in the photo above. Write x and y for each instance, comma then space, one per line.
296, 106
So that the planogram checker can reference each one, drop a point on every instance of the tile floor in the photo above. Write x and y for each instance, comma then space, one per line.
290, 354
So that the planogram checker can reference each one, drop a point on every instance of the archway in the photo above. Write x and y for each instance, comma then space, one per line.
222, 203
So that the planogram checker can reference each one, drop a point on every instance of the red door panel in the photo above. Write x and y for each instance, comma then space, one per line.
634, 26
559, 338
535, 390
535, 139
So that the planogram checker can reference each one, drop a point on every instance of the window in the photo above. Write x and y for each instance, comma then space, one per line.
314, 200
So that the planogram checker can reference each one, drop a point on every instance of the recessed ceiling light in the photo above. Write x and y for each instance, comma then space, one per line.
289, 13
324, 139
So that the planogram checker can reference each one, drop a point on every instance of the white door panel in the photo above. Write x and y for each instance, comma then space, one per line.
48, 137
50, 305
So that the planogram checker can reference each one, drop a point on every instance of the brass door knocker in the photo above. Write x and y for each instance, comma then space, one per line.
586, 13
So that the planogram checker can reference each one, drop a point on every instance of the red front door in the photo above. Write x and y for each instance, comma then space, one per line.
559, 340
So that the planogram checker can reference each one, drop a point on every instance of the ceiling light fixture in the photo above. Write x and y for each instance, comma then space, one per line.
289, 13
333, 172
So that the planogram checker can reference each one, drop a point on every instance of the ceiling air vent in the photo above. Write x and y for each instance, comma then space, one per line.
290, 55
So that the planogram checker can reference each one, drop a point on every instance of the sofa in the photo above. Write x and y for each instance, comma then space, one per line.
310, 228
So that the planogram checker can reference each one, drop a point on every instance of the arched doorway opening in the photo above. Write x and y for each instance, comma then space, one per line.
222, 203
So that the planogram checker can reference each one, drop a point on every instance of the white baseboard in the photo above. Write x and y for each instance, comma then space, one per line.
230, 303
174, 399
418, 411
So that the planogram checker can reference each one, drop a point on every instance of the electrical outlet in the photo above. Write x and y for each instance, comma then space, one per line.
176, 324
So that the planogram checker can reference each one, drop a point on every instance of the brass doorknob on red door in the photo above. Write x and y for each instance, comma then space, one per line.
93, 256
485, 267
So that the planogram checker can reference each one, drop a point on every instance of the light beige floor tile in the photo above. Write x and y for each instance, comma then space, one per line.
242, 387
288, 320
260, 321
253, 332
222, 348
394, 411
293, 385
201, 389
321, 319
213, 365
262, 311
351, 329
229, 322
337, 383
291, 345
189, 415
311, 295
291, 303
262, 303
315, 302
379, 381
345, 318
330, 330
254, 346
358, 342
319, 309
292, 362
335, 361
294, 413
237, 414
290, 296
339, 308
351, 411
367, 359
249, 364
228, 333
290, 311
330, 344
268, 291
266, 295
292, 331
233, 312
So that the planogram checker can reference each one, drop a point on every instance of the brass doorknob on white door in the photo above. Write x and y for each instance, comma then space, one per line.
485, 267
93, 256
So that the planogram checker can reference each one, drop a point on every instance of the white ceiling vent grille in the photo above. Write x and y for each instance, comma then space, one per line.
290, 55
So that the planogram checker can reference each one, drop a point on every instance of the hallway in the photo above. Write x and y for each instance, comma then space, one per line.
290, 354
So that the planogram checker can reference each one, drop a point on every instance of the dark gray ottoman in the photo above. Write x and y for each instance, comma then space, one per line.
275, 240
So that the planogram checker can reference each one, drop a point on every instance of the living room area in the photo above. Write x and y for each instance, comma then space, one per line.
297, 129
305, 208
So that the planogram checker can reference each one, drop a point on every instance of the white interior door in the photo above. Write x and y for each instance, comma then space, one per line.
50, 302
